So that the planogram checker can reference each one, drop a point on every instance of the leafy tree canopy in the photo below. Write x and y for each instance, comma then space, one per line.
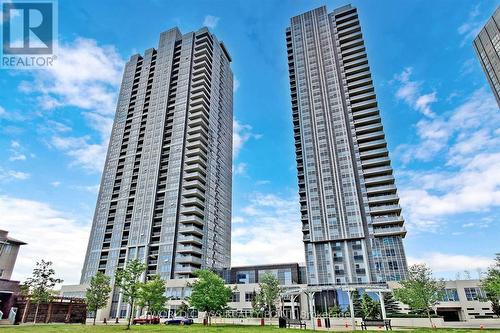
152, 295
97, 293
209, 294
420, 290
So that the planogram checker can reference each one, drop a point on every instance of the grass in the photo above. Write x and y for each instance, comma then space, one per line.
174, 329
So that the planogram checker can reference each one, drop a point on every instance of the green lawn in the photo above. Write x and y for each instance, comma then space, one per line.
194, 329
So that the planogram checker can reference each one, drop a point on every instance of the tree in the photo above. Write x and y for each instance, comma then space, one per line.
356, 301
127, 279
40, 285
369, 307
420, 290
209, 294
335, 311
97, 293
183, 310
391, 305
491, 285
257, 305
152, 295
269, 292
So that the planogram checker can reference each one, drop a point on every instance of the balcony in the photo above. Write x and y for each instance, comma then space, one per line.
193, 201
196, 160
389, 231
380, 143
379, 220
190, 240
390, 198
381, 189
384, 209
374, 153
197, 144
197, 137
366, 120
192, 219
190, 230
194, 184
190, 168
193, 193
359, 76
192, 210
365, 112
199, 122
185, 270
369, 128
353, 54
380, 180
189, 249
373, 162
196, 152
189, 259
382, 170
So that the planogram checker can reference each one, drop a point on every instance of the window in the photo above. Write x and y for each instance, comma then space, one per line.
450, 295
474, 294
249, 296
235, 297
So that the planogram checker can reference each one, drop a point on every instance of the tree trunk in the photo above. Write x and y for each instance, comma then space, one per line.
36, 312
429, 316
130, 314
95, 316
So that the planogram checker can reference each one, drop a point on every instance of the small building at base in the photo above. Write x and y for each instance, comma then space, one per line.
463, 300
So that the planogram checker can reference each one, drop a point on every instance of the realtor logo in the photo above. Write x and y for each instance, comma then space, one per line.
28, 33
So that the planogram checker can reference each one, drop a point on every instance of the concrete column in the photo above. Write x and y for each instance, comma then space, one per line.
382, 304
310, 300
351, 310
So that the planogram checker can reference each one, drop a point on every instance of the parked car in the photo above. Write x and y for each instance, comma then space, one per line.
146, 320
179, 321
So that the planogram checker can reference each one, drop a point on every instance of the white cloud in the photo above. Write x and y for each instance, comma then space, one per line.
469, 128
241, 134
471, 27
51, 235
15, 152
410, 92
86, 75
451, 263
467, 141
236, 84
56, 184
211, 21
259, 231
240, 169
9, 175
90, 156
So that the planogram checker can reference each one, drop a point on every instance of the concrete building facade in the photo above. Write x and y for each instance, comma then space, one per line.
165, 194
351, 219
9, 290
9, 248
487, 46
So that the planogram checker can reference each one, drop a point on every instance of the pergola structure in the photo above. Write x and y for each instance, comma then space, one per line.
310, 291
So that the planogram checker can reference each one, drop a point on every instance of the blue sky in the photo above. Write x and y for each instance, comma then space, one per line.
440, 118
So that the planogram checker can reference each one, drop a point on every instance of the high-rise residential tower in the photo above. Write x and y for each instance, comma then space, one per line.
487, 46
351, 219
165, 195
